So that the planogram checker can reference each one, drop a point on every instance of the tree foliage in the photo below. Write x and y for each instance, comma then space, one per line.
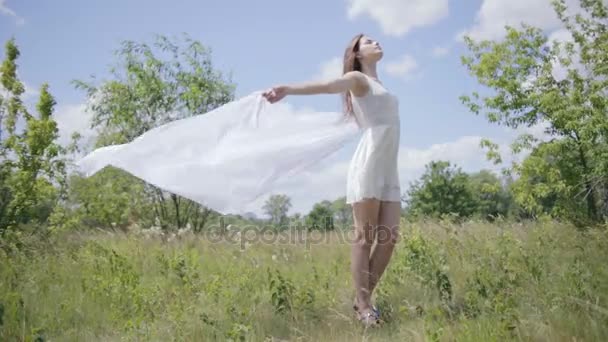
321, 217
276, 207
32, 164
343, 213
443, 189
567, 175
492, 196
152, 85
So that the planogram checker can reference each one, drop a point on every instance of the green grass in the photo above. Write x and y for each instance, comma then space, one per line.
470, 282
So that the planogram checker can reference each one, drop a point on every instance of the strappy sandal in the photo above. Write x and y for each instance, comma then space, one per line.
357, 313
371, 318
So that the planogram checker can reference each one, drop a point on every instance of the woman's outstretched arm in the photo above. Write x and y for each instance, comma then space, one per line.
353, 81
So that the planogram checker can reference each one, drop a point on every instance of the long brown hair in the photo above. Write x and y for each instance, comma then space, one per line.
351, 63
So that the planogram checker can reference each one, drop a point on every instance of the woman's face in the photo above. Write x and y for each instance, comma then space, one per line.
369, 50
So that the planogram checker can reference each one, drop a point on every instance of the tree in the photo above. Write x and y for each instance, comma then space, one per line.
321, 217
277, 207
151, 86
296, 216
32, 167
549, 183
148, 91
492, 197
109, 200
441, 190
527, 90
343, 212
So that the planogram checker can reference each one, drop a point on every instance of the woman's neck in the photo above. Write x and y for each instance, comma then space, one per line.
370, 70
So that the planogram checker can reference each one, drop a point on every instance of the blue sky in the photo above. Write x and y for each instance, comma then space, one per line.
262, 43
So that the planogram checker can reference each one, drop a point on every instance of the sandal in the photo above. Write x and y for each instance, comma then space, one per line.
357, 313
371, 318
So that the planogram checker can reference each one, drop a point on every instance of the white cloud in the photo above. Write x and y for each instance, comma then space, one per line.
9, 12
560, 71
72, 118
398, 17
561, 35
30, 93
494, 15
464, 152
330, 69
440, 51
403, 67
537, 130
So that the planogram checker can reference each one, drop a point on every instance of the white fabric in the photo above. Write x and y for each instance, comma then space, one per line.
373, 170
227, 158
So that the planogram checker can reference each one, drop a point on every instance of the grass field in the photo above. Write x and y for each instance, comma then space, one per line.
446, 282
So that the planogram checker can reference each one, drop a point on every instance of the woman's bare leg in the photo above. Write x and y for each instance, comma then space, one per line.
365, 219
387, 234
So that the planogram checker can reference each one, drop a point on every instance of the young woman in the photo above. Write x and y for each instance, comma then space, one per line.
226, 159
373, 187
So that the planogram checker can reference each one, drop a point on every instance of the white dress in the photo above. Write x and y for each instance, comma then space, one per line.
373, 170
228, 158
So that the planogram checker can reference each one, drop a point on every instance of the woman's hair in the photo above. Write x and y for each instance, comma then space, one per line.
351, 63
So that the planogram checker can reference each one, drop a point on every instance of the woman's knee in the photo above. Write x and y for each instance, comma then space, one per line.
364, 234
388, 234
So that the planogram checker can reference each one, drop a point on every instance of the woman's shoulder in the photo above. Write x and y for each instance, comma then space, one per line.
357, 75
362, 84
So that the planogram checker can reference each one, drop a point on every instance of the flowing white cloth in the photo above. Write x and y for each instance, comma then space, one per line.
227, 158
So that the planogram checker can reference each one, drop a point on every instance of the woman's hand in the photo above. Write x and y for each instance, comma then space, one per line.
275, 94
